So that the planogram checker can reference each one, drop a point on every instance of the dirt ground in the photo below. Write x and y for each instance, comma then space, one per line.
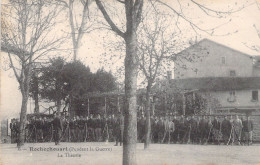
108, 154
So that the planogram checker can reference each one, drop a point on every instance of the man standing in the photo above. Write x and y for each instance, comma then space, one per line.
237, 124
226, 128
193, 129
248, 130
57, 127
176, 131
203, 129
216, 130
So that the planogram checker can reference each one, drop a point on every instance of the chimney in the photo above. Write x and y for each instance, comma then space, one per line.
169, 75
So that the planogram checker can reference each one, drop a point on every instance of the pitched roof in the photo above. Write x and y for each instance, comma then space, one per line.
216, 43
215, 83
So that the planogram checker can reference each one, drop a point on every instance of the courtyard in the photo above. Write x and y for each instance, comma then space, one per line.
107, 154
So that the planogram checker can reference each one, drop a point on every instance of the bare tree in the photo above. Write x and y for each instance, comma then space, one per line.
157, 43
78, 29
133, 12
26, 31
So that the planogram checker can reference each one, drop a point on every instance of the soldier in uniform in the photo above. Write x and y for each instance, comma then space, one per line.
119, 128
175, 134
216, 126
57, 128
98, 128
203, 130
161, 130
248, 130
81, 127
237, 127
110, 125
91, 128
193, 129
45, 129
182, 129
141, 129
39, 133
12, 127
72, 126
226, 127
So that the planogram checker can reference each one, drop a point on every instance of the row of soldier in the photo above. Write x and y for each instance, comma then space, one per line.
76, 129
169, 129
198, 130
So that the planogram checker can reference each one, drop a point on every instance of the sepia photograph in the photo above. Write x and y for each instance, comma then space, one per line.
130, 82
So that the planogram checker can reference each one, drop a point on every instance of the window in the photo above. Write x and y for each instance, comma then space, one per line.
232, 96
223, 60
254, 95
232, 73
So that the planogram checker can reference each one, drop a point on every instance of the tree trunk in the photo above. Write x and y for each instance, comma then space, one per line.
36, 95
130, 129
24, 85
21, 133
148, 119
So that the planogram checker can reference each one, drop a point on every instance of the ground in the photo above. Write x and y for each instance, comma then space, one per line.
108, 154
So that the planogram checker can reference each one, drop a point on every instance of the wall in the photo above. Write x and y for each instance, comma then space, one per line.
206, 58
243, 98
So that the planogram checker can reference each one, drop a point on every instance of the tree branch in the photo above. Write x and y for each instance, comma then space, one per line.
108, 19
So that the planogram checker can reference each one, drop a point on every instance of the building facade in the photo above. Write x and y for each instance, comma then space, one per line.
227, 79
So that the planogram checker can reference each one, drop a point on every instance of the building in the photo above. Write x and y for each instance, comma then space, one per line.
228, 80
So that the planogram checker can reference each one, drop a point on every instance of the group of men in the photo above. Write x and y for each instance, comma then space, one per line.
76, 129
169, 129
198, 130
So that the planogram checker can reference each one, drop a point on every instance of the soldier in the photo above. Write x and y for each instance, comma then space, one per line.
66, 129
216, 126
57, 128
45, 129
193, 129
91, 128
12, 127
237, 127
226, 128
198, 131
187, 130
39, 133
110, 125
72, 126
119, 128
141, 129
16, 129
209, 131
175, 134
98, 128
248, 130
182, 129
81, 127
166, 124
161, 130
203, 130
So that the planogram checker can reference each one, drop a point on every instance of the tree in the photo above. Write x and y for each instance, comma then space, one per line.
103, 81
26, 27
133, 12
78, 29
52, 82
156, 48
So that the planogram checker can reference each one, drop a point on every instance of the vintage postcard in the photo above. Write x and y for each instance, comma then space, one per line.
132, 82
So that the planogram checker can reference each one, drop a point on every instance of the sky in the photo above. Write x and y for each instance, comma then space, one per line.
241, 36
